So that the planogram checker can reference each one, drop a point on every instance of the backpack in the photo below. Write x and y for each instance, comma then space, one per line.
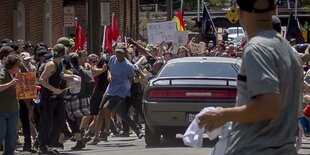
87, 82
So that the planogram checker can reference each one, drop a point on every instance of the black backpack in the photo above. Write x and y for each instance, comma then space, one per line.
87, 82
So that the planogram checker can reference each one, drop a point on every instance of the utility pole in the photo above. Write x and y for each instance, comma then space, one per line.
94, 27
169, 9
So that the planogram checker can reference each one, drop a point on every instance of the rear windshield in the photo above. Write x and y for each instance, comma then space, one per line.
203, 69
234, 31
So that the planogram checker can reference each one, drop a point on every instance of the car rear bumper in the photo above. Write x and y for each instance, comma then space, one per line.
174, 114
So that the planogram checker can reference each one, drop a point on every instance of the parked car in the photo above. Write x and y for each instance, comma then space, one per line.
182, 88
233, 32
238, 41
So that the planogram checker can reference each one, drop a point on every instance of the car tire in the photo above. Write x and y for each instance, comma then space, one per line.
169, 135
151, 138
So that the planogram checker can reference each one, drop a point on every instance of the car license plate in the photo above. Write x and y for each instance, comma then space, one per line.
191, 117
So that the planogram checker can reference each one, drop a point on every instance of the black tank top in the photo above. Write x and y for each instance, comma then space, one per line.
54, 80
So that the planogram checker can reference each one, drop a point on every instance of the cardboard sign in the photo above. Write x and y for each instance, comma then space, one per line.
162, 31
26, 87
195, 48
179, 39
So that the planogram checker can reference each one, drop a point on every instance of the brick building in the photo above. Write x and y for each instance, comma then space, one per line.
126, 11
43, 20
34, 20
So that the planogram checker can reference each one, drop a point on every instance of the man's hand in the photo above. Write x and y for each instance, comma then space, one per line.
14, 82
57, 91
211, 120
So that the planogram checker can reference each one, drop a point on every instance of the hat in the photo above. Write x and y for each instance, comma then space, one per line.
59, 50
120, 48
276, 23
65, 41
248, 6
149, 47
25, 56
229, 47
41, 51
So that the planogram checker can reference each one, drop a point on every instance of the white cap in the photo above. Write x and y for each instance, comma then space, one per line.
25, 56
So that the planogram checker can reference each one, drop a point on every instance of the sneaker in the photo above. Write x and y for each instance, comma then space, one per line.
139, 134
95, 141
104, 136
124, 134
78, 146
42, 150
36, 144
29, 149
88, 137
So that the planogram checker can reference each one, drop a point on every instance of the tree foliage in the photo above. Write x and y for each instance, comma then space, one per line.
218, 4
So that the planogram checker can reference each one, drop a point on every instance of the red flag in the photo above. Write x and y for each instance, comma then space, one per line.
115, 31
80, 38
107, 39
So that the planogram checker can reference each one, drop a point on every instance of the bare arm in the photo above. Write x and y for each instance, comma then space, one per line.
49, 70
7, 85
264, 107
97, 71
109, 76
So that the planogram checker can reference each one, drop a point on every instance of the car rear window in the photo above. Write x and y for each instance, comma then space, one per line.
203, 69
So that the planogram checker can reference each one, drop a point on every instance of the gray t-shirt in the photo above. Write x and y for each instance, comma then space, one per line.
269, 65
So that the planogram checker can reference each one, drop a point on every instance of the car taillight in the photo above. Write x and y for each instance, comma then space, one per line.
212, 94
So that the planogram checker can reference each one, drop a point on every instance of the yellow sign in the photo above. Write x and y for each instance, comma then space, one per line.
26, 87
232, 16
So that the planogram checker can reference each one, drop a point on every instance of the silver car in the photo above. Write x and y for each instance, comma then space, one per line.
182, 88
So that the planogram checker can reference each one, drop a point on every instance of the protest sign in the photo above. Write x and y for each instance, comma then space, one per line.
162, 31
195, 48
26, 87
180, 38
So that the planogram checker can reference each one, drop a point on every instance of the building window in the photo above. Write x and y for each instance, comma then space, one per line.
19, 21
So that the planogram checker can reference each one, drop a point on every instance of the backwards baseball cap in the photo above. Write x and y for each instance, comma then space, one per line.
59, 50
65, 41
248, 6
120, 48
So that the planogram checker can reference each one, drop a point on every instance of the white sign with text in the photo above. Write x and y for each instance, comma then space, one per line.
69, 18
162, 31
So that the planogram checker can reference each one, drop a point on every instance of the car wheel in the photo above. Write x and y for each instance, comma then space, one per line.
151, 138
169, 135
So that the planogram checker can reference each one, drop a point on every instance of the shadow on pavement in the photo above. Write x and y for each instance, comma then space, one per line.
116, 145
178, 142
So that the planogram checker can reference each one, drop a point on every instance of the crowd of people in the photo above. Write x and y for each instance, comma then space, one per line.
108, 86
115, 82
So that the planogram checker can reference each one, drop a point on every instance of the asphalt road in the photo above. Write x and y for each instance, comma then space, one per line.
134, 146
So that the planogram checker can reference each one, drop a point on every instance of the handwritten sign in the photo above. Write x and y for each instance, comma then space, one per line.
179, 39
195, 48
26, 87
162, 31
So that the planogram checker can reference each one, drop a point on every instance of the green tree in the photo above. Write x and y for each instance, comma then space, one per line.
305, 4
218, 4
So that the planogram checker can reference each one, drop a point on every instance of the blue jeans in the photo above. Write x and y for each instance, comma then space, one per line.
8, 122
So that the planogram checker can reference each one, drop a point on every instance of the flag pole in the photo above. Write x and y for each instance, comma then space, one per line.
198, 10
103, 39
296, 2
